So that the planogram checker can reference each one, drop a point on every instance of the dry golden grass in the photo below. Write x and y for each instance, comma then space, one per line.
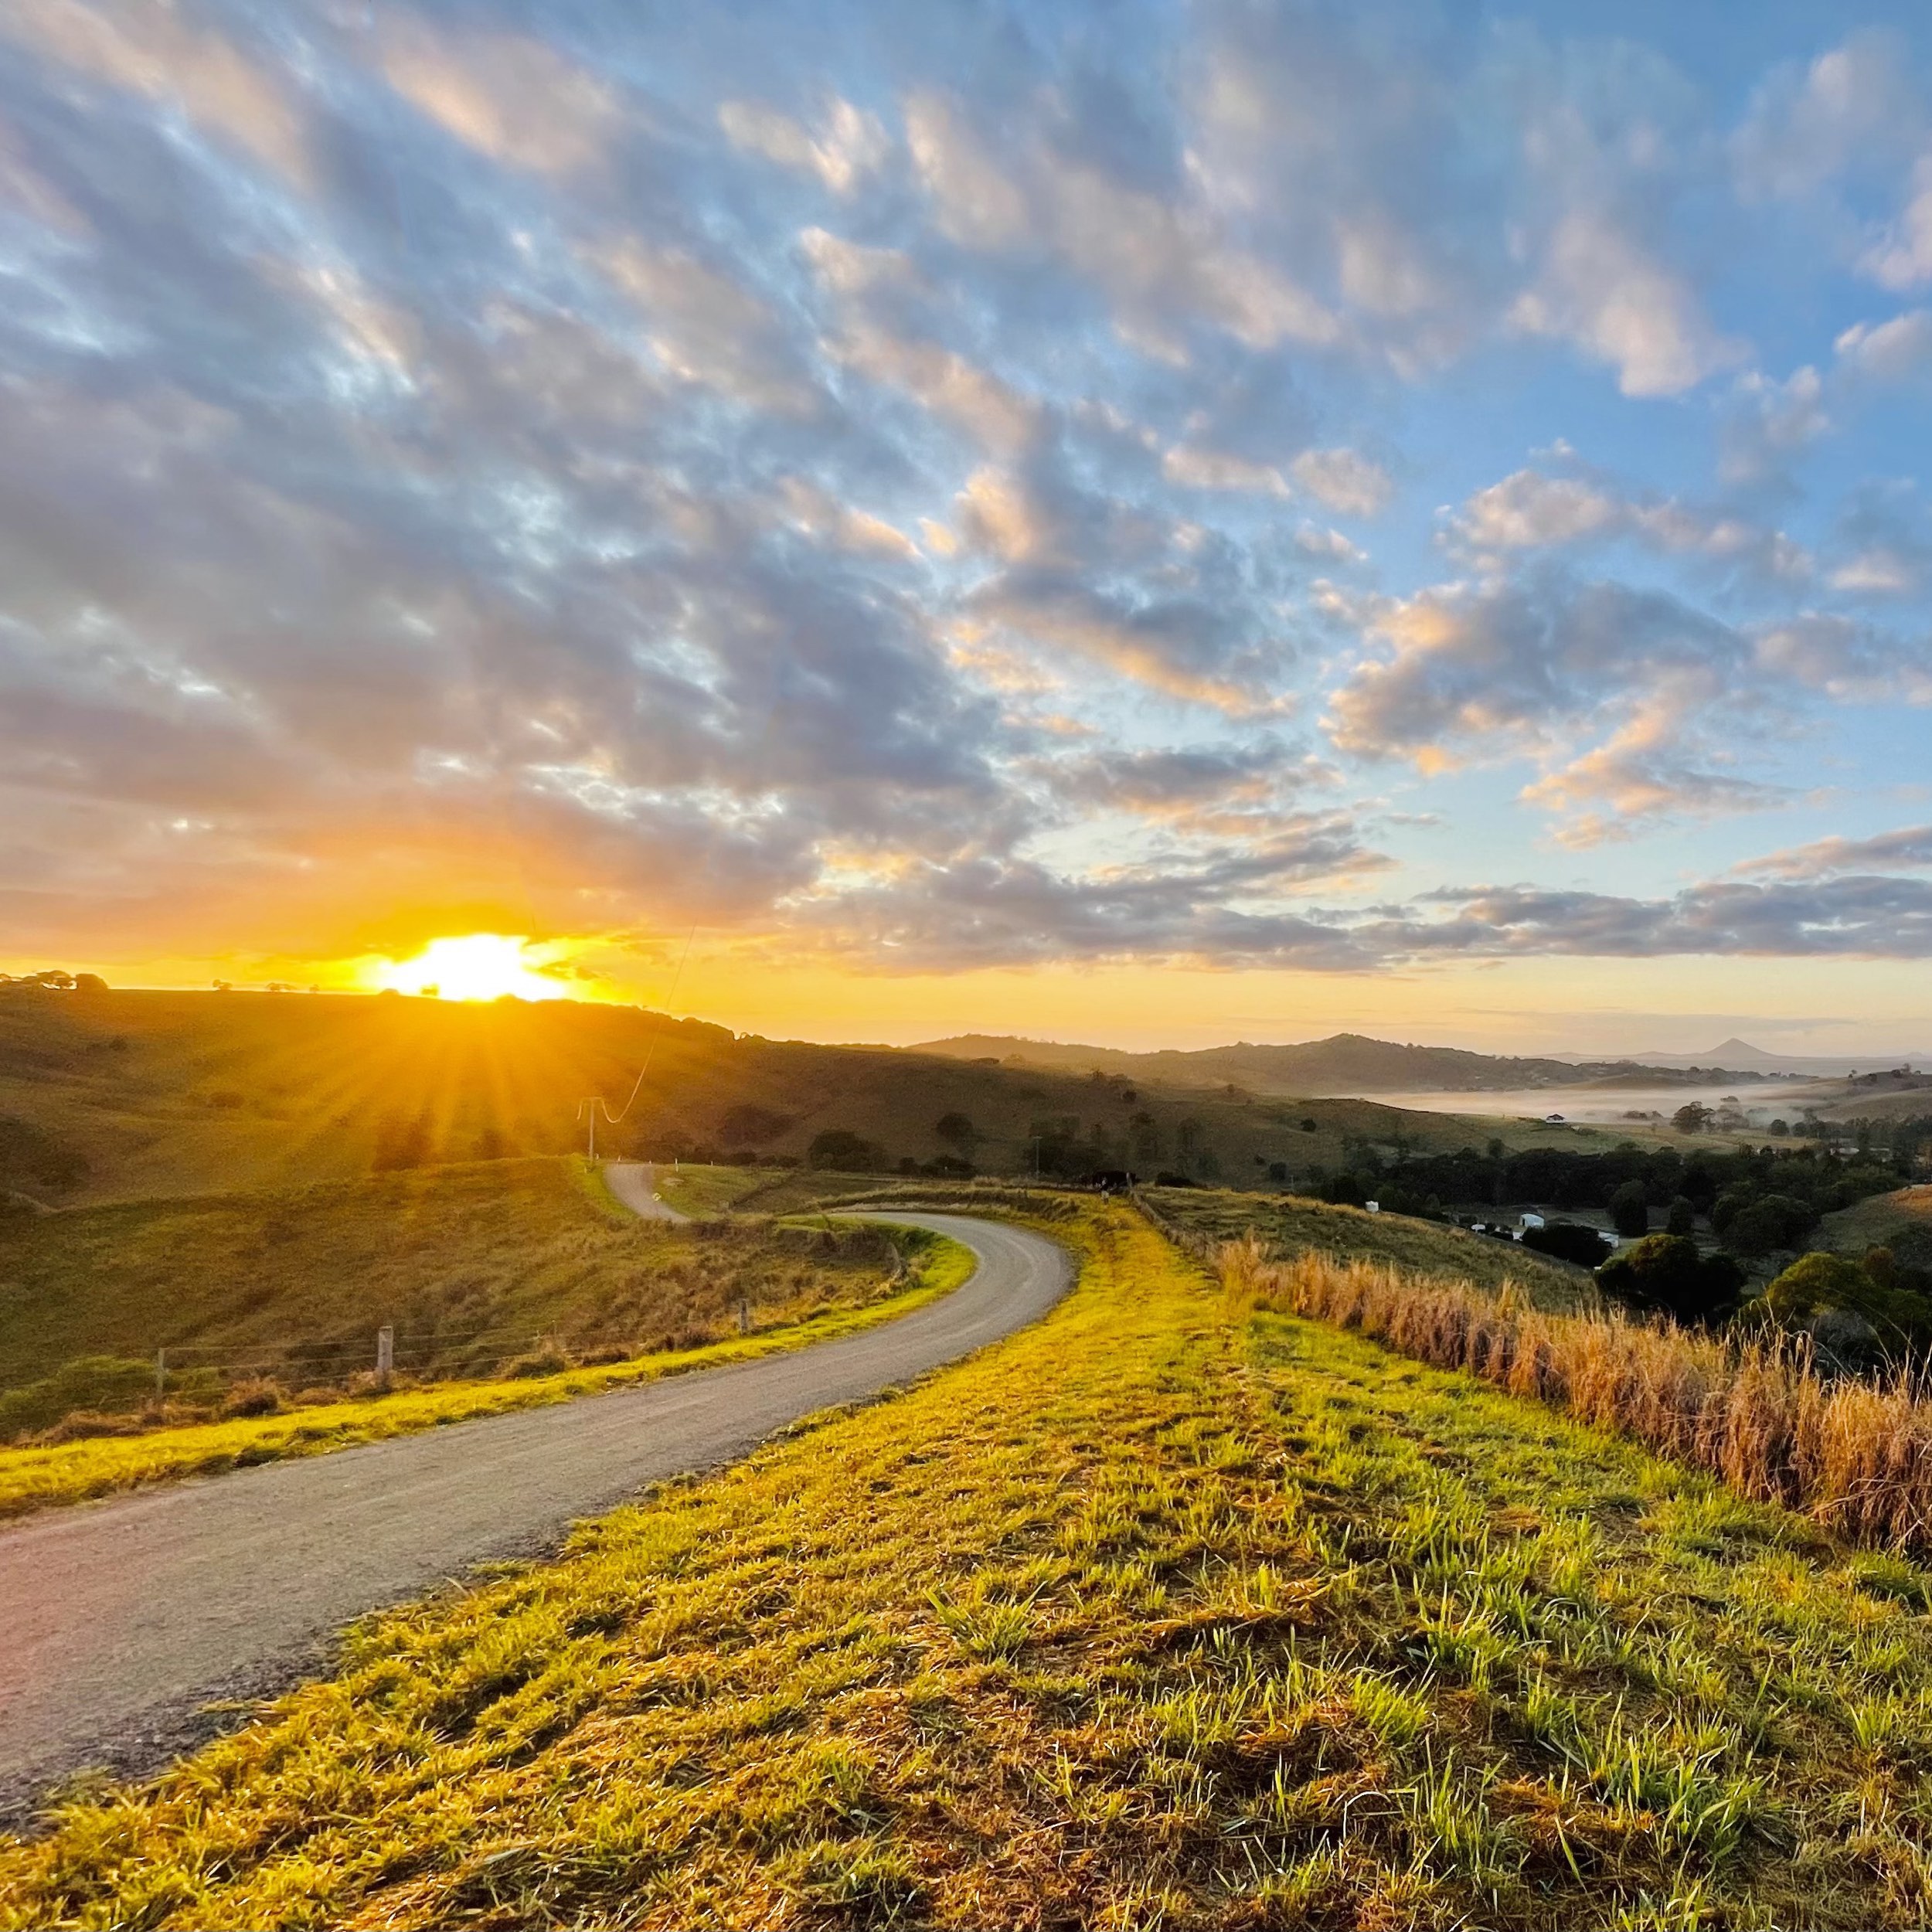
1854, 1456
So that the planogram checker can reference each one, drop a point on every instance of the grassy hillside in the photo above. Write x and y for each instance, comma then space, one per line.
1147, 1617
1901, 1222
1287, 1224
127, 1095
471, 1265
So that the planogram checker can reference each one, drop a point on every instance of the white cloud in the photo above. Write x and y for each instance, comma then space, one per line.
1349, 483
1599, 288
848, 145
1889, 352
1196, 469
513, 98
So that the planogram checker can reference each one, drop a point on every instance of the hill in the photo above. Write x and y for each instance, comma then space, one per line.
473, 1266
1345, 1063
1901, 1222
112, 1095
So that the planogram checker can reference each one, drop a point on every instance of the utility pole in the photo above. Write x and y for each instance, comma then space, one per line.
593, 1107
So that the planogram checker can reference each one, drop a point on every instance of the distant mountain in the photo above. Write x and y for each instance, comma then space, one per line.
1745, 1057
1346, 1063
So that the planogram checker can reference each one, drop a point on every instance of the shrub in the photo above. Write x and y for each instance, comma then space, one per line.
1682, 1218
1664, 1274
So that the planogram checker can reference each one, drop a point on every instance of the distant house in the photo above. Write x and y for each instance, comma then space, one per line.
1553, 1119
1529, 1221
1374, 1207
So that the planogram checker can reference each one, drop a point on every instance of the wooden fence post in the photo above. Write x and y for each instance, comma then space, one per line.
385, 1352
161, 1375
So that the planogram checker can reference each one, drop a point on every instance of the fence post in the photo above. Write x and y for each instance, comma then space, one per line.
744, 1317
385, 1352
161, 1375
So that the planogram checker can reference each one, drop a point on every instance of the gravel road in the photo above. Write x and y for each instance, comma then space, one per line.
125, 1619
635, 1184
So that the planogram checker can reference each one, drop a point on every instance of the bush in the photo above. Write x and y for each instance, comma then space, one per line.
1344, 1190
1568, 1241
1664, 1274
259, 1396
1818, 1284
1629, 1209
1682, 1218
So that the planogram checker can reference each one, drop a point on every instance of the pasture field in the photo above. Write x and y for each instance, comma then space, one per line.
1902, 1222
1289, 1224
1160, 1613
472, 1265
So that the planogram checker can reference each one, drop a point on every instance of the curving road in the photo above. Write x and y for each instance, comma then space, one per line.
125, 1619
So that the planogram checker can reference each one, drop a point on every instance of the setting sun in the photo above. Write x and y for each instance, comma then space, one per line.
478, 966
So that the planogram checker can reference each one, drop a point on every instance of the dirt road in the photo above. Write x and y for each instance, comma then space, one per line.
124, 1619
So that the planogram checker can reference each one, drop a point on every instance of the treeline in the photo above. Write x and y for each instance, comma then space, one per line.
1758, 1201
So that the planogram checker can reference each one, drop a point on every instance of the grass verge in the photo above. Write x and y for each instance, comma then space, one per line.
1147, 1617
41, 1478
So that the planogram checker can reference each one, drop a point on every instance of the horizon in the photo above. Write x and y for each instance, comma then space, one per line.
1136, 530
1878, 1056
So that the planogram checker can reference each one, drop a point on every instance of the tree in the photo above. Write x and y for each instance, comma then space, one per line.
1681, 1219
1310, 1125
89, 983
839, 1148
1692, 1117
957, 1130
1629, 1209
1664, 1274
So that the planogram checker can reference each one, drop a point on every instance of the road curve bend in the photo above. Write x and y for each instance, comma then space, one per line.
125, 1619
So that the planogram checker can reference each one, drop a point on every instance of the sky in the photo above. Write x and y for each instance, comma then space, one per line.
1145, 523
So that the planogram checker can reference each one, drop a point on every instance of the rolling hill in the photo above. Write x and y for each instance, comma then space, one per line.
1345, 1063
109, 1095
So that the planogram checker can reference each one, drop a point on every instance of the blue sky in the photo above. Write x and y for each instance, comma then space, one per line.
1334, 508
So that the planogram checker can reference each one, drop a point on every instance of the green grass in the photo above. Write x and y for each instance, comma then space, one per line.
37, 1478
471, 1264
1290, 1224
1902, 1222
1144, 1618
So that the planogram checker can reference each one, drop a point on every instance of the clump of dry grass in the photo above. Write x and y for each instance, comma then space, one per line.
1854, 1456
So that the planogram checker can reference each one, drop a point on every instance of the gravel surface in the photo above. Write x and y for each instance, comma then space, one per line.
126, 1619
635, 1184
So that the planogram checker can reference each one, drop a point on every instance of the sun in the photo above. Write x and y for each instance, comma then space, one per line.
477, 966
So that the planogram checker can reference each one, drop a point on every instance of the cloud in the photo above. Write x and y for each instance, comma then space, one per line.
707, 327
1599, 288
1349, 483
1894, 351
1530, 510
849, 145
1872, 918
517, 99
154, 52
1908, 848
